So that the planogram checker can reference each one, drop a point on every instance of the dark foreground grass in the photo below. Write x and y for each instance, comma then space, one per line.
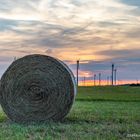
107, 119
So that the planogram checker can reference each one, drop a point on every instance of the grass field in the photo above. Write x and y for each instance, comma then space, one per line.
100, 113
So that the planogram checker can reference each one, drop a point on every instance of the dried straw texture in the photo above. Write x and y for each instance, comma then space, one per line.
37, 88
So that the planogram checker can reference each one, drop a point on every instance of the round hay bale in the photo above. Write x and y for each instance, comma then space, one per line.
37, 88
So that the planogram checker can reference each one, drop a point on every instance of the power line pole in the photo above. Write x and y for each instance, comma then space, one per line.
94, 79
115, 76
84, 81
112, 74
107, 80
77, 71
99, 79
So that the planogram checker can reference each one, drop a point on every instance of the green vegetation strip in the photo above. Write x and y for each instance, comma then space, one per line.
108, 93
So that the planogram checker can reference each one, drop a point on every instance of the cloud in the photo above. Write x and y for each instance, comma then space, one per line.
132, 2
120, 53
134, 33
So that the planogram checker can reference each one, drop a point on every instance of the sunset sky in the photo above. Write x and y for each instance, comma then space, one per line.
98, 32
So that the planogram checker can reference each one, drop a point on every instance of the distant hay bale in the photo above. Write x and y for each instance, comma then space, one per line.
37, 88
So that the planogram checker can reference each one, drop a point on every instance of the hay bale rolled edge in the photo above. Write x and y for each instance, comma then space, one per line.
37, 88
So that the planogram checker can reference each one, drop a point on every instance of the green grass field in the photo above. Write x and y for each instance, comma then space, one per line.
100, 113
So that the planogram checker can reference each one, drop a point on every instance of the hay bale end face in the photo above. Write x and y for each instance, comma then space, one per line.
37, 88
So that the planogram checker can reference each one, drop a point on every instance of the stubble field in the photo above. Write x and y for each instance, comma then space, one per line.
99, 113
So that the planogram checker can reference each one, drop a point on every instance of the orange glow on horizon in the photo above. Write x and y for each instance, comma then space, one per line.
104, 82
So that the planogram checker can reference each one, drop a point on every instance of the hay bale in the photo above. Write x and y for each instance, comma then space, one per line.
37, 88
